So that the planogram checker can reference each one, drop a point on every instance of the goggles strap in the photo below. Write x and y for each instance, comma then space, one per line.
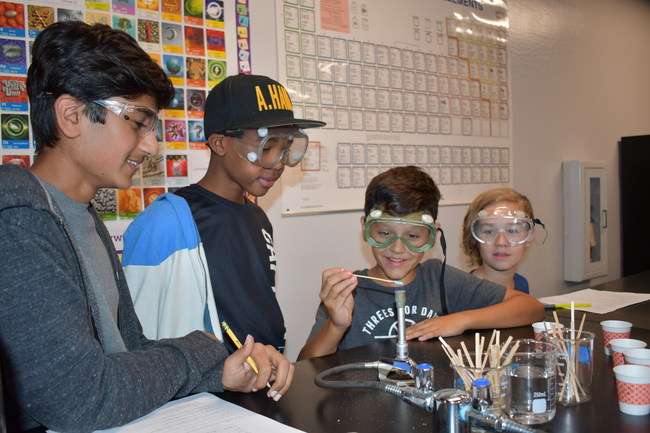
540, 223
443, 292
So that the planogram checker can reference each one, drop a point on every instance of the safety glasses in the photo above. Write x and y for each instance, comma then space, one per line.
515, 226
142, 119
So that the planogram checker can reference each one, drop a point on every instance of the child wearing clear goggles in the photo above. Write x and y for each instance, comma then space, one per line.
497, 229
357, 308
269, 148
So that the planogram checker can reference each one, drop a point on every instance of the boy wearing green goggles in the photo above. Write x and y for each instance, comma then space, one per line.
399, 224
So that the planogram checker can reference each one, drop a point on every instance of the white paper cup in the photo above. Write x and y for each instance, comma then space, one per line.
614, 329
637, 357
633, 389
620, 345
538, 328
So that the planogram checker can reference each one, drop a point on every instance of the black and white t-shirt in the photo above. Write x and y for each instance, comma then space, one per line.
375, 315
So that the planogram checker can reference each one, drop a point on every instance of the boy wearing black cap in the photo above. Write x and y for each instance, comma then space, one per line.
204, 254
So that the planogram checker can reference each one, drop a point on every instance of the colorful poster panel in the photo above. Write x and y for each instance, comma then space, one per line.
196, 135
129, 202
105, 202
13, 57
175, 134
177, 173
151, 194
214, 13
15, 131
38, 18
20, 160
13, 94
12, 19
153, 171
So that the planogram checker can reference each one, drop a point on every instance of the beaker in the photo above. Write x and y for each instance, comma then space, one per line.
575, 365
532, 378
497, 376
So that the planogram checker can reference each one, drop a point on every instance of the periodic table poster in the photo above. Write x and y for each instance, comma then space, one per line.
419, 82
197, 42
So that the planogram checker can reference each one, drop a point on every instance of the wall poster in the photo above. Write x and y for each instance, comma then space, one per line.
197, 42
420, 82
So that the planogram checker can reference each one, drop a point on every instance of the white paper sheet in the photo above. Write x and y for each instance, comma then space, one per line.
601, 301
202, 413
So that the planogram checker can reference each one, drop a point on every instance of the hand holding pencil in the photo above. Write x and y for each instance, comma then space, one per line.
271, 367
238, 345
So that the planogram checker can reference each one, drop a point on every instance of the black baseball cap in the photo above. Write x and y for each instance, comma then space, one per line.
250, 101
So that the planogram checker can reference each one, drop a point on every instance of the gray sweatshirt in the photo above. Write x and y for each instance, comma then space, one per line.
54, 369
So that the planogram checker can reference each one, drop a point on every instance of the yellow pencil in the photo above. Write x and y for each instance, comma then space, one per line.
235, 340
565, 306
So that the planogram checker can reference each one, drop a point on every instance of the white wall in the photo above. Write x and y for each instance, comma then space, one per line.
580, 75
580, 81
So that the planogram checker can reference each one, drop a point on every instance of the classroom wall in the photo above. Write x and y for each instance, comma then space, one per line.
580, 81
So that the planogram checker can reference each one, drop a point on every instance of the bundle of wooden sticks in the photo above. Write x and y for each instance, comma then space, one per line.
484, 363
568, 345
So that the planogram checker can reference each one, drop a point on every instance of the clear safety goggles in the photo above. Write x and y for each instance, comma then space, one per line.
417, 231
143, 119
515, 226
271, 148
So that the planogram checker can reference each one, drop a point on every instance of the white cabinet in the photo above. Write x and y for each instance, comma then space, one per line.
585, 220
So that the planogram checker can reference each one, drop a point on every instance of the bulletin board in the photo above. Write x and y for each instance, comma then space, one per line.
197, 42
419, 82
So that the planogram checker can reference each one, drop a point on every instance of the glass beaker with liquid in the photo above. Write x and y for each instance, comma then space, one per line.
532, 382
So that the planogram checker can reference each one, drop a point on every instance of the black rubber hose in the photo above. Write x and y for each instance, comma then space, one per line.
370, 384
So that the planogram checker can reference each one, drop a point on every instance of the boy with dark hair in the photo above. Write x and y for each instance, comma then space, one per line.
399, 224
72, 350
204, 254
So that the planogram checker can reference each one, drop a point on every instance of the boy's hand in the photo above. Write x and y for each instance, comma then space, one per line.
443, 326
336, 295
239, 376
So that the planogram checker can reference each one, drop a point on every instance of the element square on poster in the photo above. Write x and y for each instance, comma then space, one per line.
19, 160
13, 56
126, 24
175, 132
15, 131
12, 19
129, 202
13, 94
38, 18
151, 194
105, 202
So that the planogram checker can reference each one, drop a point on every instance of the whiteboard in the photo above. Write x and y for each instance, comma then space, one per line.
398, 83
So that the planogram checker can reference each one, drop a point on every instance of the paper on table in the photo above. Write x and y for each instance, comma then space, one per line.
601, 301
202, 413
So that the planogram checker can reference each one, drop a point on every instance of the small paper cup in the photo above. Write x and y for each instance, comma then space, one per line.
633, 389
637, 357
620, 345
614, 329
538, 328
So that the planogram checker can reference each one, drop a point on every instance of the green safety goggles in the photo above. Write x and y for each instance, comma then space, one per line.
417, 231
